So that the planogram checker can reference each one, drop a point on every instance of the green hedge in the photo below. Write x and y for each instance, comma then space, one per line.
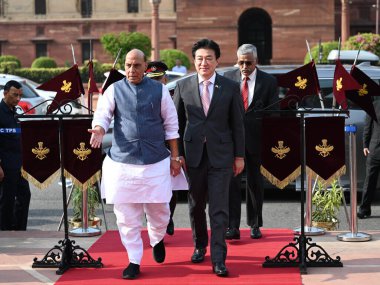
41, 75
8, 58
8, 67
44, 62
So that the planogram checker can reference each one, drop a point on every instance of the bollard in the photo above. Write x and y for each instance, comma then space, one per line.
85, 230
354, 235
309, 230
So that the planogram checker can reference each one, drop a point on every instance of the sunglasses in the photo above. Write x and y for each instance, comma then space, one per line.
247, 63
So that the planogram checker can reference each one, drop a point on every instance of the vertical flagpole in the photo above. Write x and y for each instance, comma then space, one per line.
72, 50
75, 62
319, 92
117, 58
334, 100
357, 56
89, 99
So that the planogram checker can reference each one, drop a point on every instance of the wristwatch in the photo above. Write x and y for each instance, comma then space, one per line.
176, 158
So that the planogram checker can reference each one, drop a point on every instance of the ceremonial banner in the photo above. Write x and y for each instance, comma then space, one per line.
325, 148
280, 151
362, 97
112, 78
40, 152
343, 81
68, 86
91, 88
81, 162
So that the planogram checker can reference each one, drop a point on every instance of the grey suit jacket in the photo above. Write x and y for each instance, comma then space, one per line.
264, 95
222, 128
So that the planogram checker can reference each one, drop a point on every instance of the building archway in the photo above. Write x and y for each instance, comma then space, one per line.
255, 27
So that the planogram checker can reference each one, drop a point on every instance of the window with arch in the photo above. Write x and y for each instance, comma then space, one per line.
40, 7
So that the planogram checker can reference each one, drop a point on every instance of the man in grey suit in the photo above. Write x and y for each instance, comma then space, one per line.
259, 91
371, 143
211, 128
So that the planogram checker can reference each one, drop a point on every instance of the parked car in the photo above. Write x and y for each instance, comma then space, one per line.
30, 97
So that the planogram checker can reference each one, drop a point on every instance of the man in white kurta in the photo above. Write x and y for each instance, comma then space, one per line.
136, 174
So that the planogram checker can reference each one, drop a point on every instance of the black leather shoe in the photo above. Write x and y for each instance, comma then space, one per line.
256, 233
198, 255
220, 269
233, 233
363, 214
131, 271
170, 227
159, 252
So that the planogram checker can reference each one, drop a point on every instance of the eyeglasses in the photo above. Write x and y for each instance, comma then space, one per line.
247, 63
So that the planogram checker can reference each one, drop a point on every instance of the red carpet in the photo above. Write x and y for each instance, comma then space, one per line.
244, 262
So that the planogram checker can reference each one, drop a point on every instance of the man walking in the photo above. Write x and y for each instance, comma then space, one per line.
259, 91
212, 140
136, 171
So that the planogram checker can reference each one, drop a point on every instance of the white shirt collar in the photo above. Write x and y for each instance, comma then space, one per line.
211, 79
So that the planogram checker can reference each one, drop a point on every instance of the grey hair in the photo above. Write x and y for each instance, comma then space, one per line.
246, 49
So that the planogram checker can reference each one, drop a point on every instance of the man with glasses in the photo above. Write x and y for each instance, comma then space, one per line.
259, 91
14, 189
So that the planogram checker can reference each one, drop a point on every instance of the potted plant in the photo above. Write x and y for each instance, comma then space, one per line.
92, 204
326, 205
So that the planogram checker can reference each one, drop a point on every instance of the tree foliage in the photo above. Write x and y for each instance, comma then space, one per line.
170, 55
326, 48
126, 42
371, 42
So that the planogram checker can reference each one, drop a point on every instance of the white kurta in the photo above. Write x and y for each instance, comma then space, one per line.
130, 183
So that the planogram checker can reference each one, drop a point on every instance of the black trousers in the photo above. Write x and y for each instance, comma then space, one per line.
254, 195
212, 183
173, 203
370, 182
14, 201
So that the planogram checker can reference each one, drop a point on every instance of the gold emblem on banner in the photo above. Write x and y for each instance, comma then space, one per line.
301, 83
280, 151
363, 91
324, 149
339, 84
82, 152
40, 151
66, 87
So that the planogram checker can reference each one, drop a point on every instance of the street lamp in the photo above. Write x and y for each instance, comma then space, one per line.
155, 29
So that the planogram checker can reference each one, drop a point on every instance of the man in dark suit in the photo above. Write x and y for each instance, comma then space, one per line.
210, 116
371, 144
259, 91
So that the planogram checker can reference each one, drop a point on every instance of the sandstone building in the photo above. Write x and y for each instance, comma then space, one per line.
33, 28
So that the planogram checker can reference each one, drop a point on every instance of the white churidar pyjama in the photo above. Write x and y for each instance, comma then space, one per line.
129, 221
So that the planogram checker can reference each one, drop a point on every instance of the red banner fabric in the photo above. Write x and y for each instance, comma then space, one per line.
40, 152
280, 150
81, 162
325, 147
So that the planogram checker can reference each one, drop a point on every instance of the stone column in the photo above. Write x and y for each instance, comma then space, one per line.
155, 29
